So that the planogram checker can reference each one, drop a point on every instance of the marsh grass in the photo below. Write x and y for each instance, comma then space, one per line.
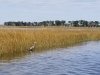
14, 41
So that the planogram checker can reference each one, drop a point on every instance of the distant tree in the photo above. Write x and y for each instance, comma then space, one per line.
63, 22
96, 23
75, 23
70, 23
57, 23
85, 23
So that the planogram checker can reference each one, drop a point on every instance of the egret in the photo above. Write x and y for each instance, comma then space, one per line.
32, 47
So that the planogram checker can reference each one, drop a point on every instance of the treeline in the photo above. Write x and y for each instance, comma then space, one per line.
43, 23
77, 23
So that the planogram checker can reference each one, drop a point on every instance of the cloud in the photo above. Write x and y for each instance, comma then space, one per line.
10, 1
48, 9
85, 1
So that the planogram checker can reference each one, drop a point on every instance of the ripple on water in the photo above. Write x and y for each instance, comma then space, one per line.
79, 60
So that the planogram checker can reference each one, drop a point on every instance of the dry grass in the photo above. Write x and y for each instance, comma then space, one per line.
18, 40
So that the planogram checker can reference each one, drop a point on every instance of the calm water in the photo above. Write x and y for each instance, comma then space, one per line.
78, 60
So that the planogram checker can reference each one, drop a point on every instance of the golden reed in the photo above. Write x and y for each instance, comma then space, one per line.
18, 40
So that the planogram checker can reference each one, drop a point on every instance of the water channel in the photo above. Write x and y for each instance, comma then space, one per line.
83, 59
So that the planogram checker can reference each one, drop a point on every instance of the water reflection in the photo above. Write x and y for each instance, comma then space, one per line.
79, 60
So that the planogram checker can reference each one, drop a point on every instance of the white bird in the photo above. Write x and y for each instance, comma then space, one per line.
32, 47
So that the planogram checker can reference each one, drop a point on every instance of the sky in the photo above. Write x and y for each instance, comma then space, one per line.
40, 10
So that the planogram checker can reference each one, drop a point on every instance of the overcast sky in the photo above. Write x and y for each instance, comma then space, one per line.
39, 10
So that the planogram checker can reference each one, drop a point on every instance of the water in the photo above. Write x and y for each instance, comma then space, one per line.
78, 60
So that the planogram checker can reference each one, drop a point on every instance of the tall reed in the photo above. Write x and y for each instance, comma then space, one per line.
18, 40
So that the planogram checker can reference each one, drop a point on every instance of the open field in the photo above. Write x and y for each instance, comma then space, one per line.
14, 41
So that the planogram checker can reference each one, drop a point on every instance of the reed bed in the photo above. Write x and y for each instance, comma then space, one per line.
17, 40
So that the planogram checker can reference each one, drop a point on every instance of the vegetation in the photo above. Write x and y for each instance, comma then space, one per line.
15, 41
78, 23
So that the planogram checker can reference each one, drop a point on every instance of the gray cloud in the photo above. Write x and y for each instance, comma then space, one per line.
85, 0
49, 9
